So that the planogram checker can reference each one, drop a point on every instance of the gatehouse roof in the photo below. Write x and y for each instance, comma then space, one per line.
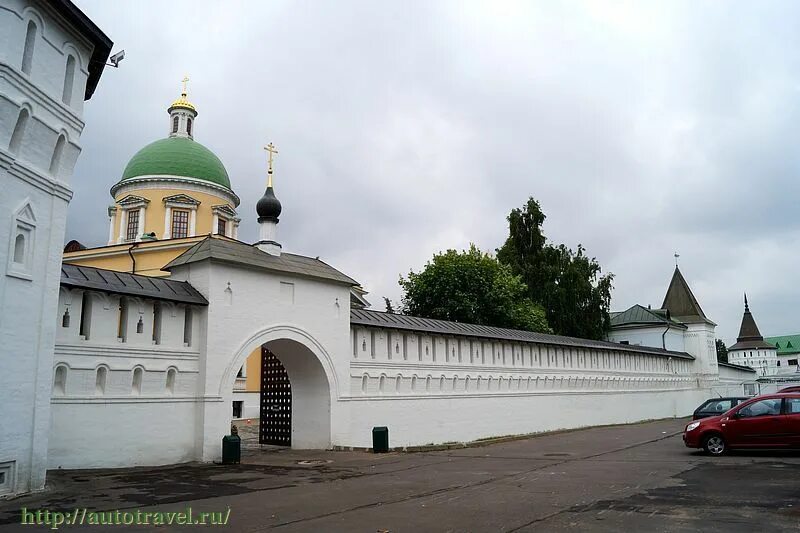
681, 303
226, 250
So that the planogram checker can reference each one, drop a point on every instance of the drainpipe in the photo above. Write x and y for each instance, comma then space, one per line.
133, 259
663, 337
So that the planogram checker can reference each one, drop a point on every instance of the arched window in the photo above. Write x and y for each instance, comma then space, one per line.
381, 383
364, 382
189, 126
30, 42
19, 249
60, 381
171, 375
175, 124
136, 385
122, 325
55, 162
100, 381
69, 80
19, 131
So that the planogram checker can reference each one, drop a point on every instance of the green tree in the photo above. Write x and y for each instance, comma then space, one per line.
473, 287
568, 284
722, 351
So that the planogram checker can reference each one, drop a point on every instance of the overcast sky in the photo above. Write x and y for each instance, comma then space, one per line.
406, 128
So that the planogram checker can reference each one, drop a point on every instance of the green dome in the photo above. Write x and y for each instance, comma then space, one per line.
177, 156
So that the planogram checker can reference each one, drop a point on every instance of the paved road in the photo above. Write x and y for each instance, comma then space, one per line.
635, 478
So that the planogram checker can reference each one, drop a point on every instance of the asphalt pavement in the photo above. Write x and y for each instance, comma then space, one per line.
635, 477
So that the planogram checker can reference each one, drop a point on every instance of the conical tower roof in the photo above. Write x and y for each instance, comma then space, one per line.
749, 336
681, 303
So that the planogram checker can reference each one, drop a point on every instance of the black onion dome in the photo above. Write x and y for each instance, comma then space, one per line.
268, 207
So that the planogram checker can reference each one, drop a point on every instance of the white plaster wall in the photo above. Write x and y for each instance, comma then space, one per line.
732, 382
763, 360
28, 303
265, 306
121, 425
673, 339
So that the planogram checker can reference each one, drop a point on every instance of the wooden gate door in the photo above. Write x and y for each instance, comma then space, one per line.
275, 426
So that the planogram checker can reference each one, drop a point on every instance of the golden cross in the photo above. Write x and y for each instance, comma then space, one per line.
184, 80
270, 148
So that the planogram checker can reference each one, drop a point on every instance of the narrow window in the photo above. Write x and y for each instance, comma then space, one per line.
187, 327
55, 162
413, 383
19, 249
69, 80
171, 374
237, 409
30, 43
381, 383
86, 315
132, 228
65, 319
122, 326
19, 131
355, 344
100, 381
136, 385
372, 344
364, 381
157, 323
189, 126
180, 223
175, 124
60, 380
221, 226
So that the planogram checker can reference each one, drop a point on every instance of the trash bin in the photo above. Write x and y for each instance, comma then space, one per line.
380, 439
232, 448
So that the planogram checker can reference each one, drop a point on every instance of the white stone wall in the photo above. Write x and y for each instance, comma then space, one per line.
121, 420
39, 134
673, 338
734, 382
433, 389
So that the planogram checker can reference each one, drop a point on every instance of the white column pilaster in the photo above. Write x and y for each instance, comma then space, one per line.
140, 229
111, 220
235, 231
215, 224
192, 222
123, 221
167, 222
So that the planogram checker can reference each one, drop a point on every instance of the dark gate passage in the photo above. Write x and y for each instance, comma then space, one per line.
276, 402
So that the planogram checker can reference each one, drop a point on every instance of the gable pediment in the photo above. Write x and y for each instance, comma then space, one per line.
224, 209
26, 214
181, 199
132, 199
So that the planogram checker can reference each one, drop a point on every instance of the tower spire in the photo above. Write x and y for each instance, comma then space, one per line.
182, 114
746, 307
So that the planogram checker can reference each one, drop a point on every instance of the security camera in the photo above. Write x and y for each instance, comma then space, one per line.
116, 58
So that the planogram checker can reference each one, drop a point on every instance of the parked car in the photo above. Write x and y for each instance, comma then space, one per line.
768, 421
717, 406
793, 388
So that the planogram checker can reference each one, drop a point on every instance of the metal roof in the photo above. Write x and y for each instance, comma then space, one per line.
749, 337
230, 251
786, 344
365, 317
736, 367
681, 303
637, 315
99, 279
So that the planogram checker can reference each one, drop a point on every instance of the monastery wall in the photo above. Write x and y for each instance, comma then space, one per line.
434, 389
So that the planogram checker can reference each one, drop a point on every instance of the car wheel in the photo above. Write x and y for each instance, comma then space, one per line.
715, 445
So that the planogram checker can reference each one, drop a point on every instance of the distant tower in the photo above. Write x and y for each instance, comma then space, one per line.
751, 349
269, 209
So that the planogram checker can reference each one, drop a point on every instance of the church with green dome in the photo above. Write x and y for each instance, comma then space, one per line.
171, 194
173, 188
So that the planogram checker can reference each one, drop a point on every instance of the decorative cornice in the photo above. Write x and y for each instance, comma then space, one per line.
131, 184
43, 99
224, 209
181, 199
133, 201
34, 177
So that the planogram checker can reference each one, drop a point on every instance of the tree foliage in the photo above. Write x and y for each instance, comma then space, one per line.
568, 284
473, 287
722, 351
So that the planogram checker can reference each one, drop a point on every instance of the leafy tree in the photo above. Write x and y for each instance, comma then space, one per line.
722, 351
389, 305
471, 286
568, 284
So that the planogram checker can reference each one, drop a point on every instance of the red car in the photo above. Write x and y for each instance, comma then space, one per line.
768, 421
